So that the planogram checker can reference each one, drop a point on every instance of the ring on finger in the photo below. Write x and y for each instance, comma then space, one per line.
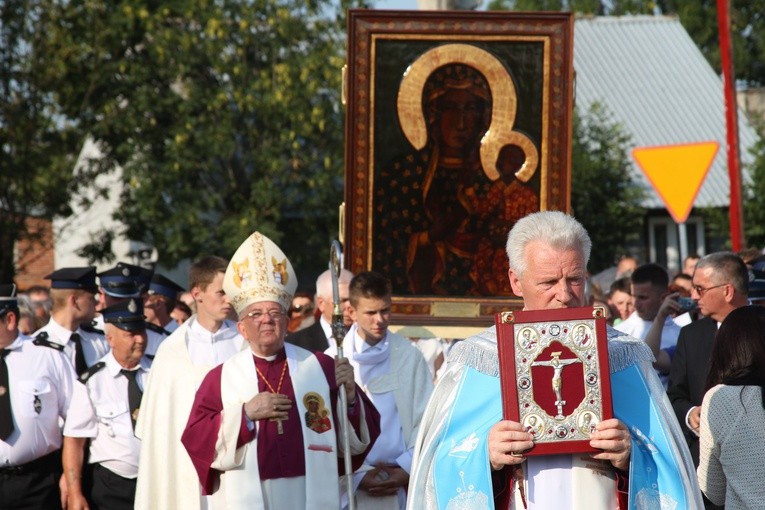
517, 454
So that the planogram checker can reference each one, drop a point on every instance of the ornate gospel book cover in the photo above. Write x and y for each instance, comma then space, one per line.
554, 375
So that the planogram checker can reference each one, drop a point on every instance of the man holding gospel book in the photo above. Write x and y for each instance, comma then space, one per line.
467, 454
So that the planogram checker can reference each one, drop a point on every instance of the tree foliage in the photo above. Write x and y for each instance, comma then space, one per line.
38, 144
754, 206
224, 115
595, 7
603, 197
699, 17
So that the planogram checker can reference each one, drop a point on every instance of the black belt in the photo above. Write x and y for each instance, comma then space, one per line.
49, 462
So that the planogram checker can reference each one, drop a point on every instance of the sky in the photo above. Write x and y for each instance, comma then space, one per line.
395, 4
409, 4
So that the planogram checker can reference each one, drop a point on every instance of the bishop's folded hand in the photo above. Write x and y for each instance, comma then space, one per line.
266, 405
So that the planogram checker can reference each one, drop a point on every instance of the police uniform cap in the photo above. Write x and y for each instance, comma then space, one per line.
127, 315
164, 286
8, 300
125, 280
83, 278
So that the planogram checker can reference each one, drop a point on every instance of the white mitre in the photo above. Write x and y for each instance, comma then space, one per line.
259, 271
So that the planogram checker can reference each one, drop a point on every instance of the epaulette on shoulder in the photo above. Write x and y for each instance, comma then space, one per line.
157, 329
42, 339
91, 328
92, 370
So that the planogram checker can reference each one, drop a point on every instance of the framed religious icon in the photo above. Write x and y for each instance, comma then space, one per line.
457, 124
554, 375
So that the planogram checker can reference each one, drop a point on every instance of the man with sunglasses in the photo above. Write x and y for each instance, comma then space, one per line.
300, 313
720, 285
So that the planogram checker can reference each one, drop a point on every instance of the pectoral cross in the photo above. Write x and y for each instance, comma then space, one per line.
557, 379
279, 426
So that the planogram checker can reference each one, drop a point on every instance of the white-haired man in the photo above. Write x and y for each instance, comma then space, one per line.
467, 452
263, 430
318, 336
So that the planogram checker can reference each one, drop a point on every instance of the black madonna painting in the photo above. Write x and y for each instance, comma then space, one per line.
458, 125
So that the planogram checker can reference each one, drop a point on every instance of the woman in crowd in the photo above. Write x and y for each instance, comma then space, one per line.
731, 467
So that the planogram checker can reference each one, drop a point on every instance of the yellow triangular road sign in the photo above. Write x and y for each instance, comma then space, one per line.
677, 172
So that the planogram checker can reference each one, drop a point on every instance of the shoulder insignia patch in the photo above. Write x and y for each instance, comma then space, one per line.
89, 372
91, 328
157, 329
42, 340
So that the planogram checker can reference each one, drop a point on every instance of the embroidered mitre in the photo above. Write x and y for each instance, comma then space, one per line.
259, 271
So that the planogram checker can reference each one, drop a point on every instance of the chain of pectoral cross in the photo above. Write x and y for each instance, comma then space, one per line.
279, 426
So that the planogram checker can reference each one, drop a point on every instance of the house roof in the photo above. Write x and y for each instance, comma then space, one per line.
654, 81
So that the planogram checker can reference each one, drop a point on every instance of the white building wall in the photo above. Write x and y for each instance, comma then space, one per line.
72, 233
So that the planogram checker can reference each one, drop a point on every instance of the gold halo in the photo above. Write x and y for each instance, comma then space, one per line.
504, 105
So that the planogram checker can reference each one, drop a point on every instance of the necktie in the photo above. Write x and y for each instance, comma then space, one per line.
79, 358
134, 394
6, 414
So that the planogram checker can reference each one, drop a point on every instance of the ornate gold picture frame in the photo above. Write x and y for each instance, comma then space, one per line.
458, 124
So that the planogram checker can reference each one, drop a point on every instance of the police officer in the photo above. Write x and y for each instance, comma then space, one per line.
114, 390
158, 303
125, 281
73, 291
36, 387
121, 282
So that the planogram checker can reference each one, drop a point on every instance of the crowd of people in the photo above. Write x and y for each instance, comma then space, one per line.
121, 389
697, 342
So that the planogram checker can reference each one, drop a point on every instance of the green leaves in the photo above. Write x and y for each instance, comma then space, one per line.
603, 196
38, 140
754, 205
224, 116
699, 17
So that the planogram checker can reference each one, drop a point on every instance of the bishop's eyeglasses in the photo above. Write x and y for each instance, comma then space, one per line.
260, 315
